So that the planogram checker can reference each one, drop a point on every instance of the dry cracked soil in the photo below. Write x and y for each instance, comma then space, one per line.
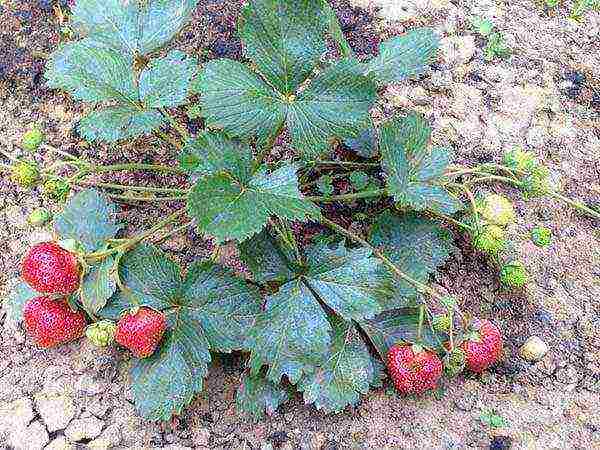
78, 396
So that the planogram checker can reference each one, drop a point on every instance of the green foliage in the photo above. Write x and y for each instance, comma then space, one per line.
582, 7
365, 144
16, 300
496, 46
534, 177
514, 275
98, 285
39, 217
491, 418
415, 174
257, 395
541, 236
57, 190
325, 185
359, 180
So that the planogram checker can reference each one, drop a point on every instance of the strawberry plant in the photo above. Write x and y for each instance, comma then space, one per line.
316, 316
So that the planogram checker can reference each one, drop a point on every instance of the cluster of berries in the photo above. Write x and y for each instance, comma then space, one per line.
415, 370
50, 320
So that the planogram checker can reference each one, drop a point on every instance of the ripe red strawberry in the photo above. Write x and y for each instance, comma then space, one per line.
52, 322
413, 370
483, 347
141, 332
50, 269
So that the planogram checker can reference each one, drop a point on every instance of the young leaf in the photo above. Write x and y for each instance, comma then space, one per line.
16, 301
265, 259
415, 176
351, 281
285, 39
98, 286
256, 396
119, 122
166, 81
404, 56
89, 218
292, 336
416, 245
345, 376
227, 207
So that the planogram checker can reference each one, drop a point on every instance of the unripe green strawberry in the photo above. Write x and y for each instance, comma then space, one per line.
520, 160
38, 217
56, 190
52, 322
490, 239
483, 346
413, 369
32, 139
441, 323
496, 210
541, 236
25, 173
454, 361
141, 331
514, 275
50, 269
102, 333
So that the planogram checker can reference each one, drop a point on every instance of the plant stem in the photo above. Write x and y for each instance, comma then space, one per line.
125, 187
133, 198
59, 152
173, 232
420, 324
349, 197
450, 219
175, 124
169, 140
134, 166
343, 164
575, 204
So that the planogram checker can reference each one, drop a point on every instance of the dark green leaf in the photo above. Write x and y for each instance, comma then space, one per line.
365, 143
91, 72
257, 396
415, 175
404, 56
264, 257
224, 306
396, 326
285, 39
229, 208
16, 300
166, 81
351, 281
118, 123
98, 286
345, 376
89, 218
416, 245
292, 336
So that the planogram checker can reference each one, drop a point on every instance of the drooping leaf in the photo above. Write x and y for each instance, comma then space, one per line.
119, 122
396, 326
230, 208
92, 72
292, 336
351, 281
132, 26
89, 218
16, 300
266, 259
285, 39
256, 396
415, 174
166, 81
345, 376
98, 286
404, 56
416, 245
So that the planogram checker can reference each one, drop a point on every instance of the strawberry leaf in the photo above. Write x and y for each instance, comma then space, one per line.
89, 218
98, 286
256, 396
237, 206
292, 335
415, 175
351, 281
346, 374
132, 27
16, 300
404, 56
365, 144
266, 259
166, 81
120, 122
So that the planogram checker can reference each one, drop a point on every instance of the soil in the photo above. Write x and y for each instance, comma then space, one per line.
78, 396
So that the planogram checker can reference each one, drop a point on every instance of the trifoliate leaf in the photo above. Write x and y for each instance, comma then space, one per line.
415, 175
292, 336
16, 300
256, 396
208, 310
166, 81
404, 56
396, 326
351, 281
416, 245
285, 39
117, 123
227, 207
266, 259
92, 72
345, 376
89, 218
132, 27
98, 286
